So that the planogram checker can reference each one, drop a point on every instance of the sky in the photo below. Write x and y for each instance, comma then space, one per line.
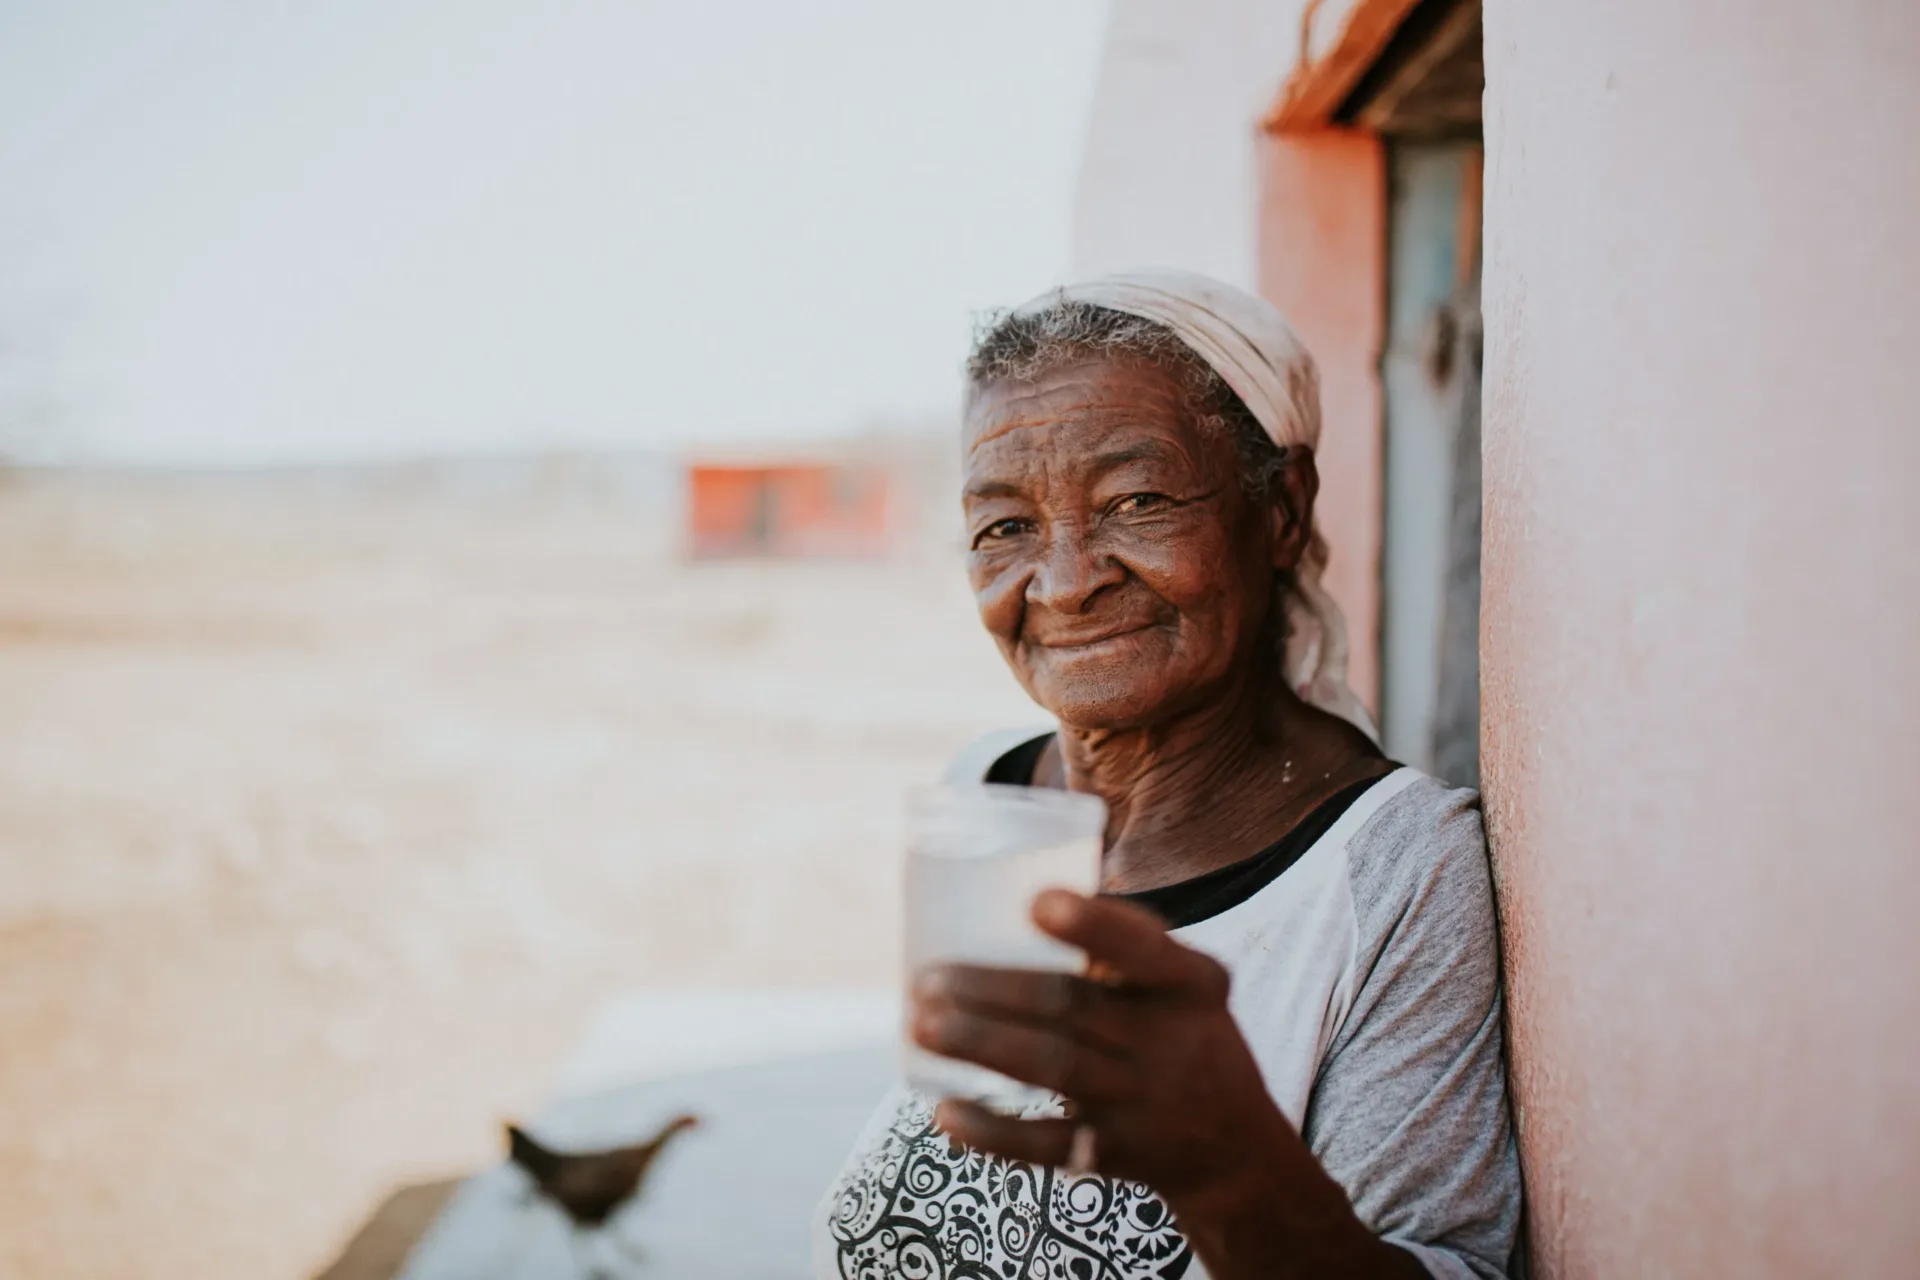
236, 232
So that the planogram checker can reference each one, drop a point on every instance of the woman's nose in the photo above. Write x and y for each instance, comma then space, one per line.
1072, 571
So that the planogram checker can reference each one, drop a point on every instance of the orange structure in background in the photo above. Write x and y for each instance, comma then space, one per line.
787, 508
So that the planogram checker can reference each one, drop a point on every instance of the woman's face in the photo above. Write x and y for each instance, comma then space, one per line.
1114, 554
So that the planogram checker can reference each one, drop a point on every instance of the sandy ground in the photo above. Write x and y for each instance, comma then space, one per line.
331, 807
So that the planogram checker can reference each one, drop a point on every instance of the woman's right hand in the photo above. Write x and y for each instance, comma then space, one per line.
1161, 1078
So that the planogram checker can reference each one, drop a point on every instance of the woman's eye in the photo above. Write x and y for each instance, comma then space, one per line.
1134, 503
1000, 529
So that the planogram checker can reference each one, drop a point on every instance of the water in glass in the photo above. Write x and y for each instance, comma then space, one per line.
976, 857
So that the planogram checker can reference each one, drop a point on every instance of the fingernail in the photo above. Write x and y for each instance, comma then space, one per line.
1055, 907
927, 1031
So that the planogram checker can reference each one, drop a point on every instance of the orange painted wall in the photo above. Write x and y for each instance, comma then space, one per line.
786, 509
1322, 248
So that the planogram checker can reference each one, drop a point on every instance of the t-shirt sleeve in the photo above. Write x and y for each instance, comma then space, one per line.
1409, 1109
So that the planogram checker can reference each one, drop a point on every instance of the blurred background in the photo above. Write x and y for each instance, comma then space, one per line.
478, 568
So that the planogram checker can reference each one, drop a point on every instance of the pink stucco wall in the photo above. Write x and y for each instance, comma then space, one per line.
1323, 262
1701, 634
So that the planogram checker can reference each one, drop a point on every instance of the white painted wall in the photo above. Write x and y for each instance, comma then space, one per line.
1169, 177
235, 232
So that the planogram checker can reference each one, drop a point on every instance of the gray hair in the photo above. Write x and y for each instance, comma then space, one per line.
1023, 346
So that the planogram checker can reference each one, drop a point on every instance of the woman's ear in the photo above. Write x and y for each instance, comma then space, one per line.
1295, 484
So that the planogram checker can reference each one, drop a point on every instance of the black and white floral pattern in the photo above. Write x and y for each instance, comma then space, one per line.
917, 1206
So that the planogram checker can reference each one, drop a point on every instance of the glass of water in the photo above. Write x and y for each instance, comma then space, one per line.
976, 858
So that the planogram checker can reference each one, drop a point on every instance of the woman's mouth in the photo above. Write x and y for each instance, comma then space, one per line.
1070, 643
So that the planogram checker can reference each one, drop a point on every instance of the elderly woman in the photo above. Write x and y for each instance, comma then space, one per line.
1284, 1057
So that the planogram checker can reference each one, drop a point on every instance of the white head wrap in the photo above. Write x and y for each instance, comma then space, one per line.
1250, 345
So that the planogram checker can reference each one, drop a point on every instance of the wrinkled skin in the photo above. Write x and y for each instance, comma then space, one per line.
1128, 579
1114, 556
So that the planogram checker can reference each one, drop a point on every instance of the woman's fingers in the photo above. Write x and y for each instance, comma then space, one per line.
1033, 1141
1046, 1141
1108, 1018
1128, 941
1035, 994
1042, 1056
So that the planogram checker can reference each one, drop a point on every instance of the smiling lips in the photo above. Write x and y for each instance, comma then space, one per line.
1073, 642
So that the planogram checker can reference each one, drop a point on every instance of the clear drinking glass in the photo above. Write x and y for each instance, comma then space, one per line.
976, 857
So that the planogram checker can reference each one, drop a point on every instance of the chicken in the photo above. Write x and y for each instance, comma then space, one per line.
589, 1186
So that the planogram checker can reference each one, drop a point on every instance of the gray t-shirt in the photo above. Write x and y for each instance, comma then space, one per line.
1366, 981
